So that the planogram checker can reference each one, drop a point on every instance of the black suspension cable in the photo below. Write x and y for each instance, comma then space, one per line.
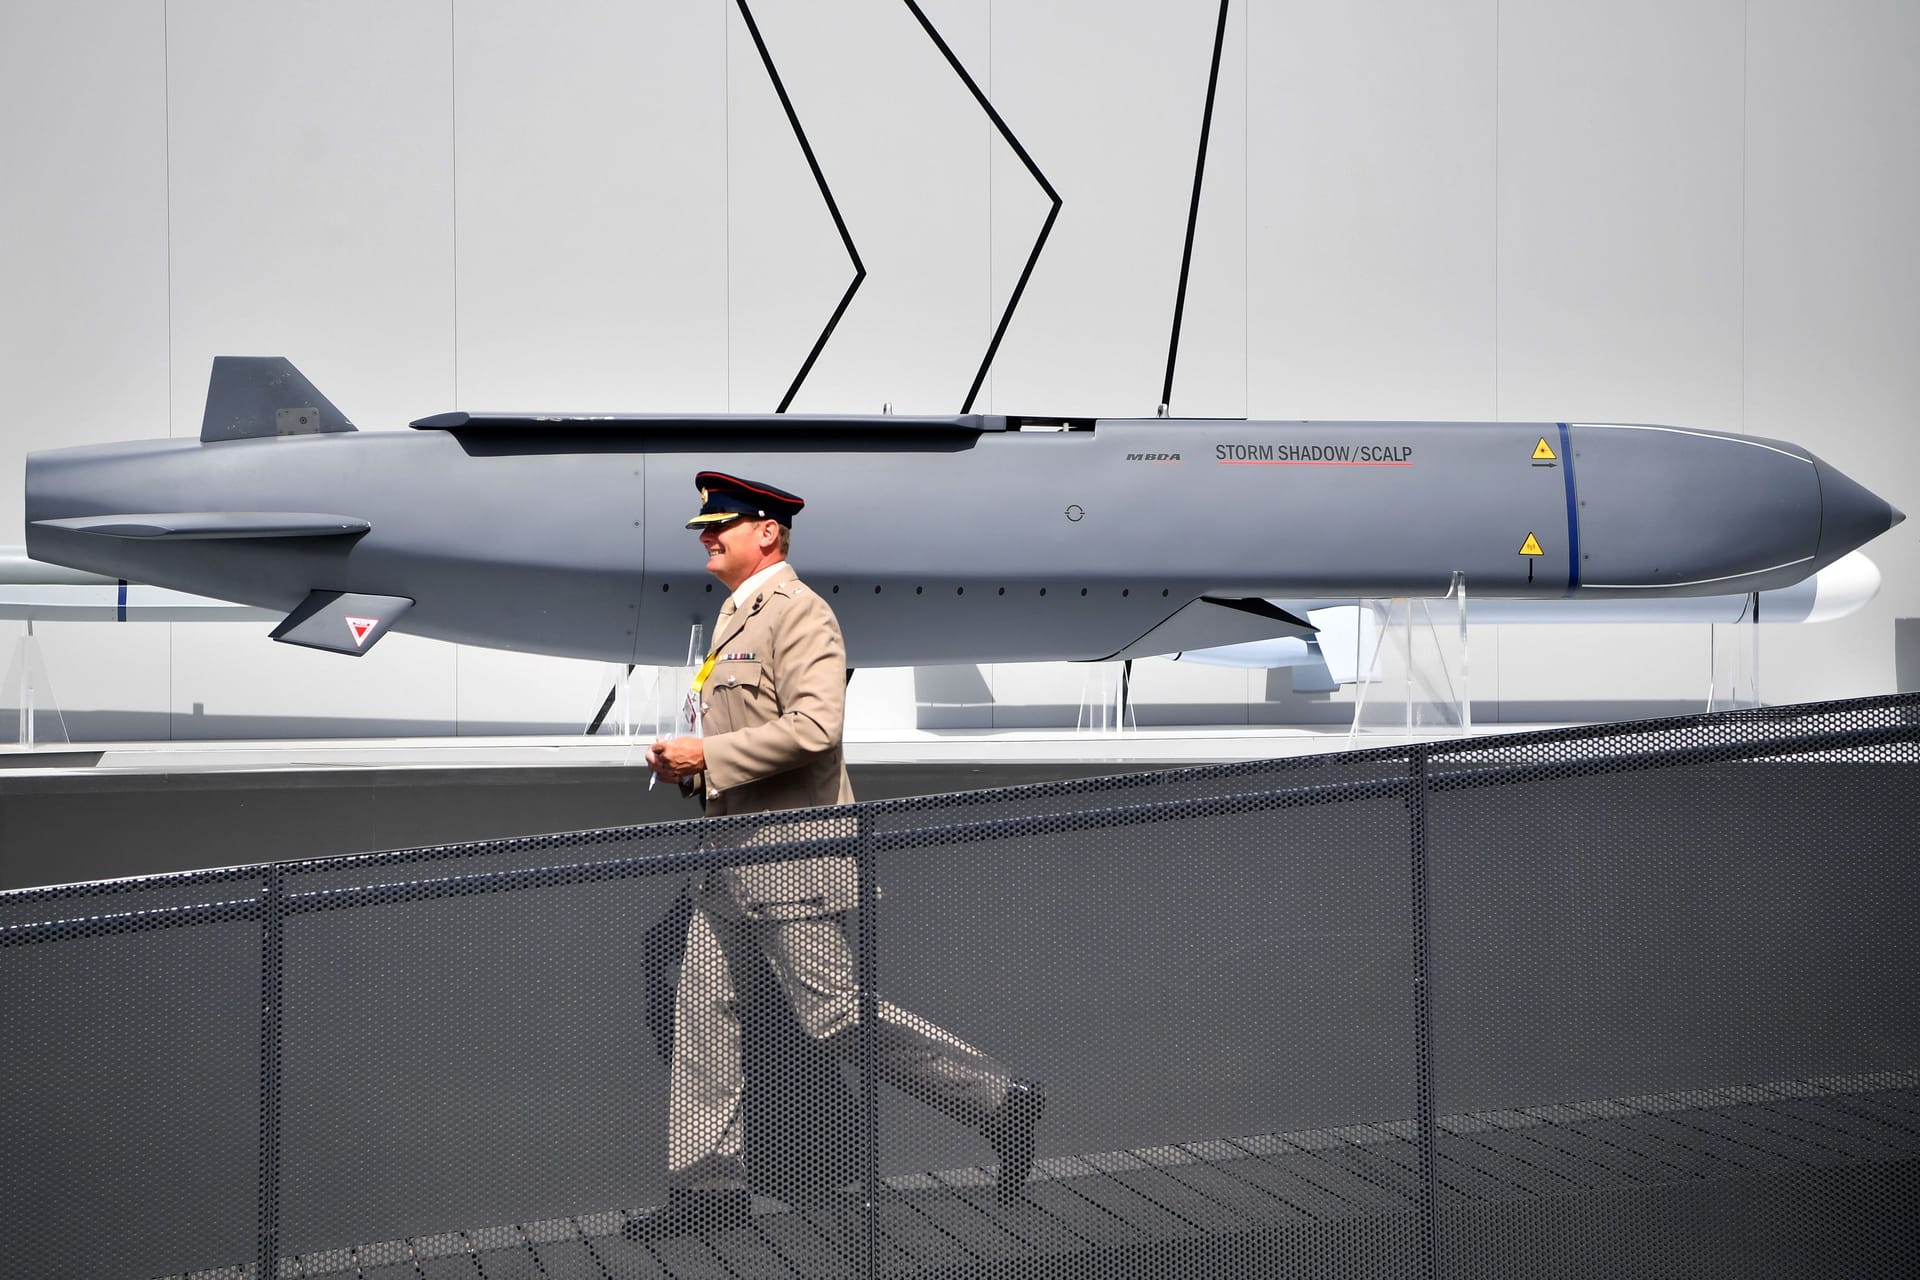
1193, 209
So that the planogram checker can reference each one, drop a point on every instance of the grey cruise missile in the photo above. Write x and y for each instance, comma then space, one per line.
971, 538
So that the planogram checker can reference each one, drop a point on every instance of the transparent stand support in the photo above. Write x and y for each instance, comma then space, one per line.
1733, 660
672, 685
1413, 667
662, 710
1104, 703
27, 704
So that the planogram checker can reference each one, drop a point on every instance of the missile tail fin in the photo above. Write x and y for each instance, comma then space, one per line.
249, 397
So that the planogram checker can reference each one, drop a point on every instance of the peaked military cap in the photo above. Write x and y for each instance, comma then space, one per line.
724, 497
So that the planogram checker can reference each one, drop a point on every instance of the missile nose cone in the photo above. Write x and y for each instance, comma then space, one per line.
1851, 515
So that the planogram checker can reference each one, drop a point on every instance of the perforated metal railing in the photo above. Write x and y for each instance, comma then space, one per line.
1628, 1000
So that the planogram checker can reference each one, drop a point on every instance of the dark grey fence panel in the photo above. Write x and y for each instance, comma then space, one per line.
1615, 1001
468, 1060
1668, 991
129, 1140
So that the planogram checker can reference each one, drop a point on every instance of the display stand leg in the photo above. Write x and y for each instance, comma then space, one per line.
1458, 594
1411, 667
1733, 660
1105, 706
27, 697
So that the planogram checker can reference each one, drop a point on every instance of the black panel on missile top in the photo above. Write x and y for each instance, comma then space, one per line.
967, 423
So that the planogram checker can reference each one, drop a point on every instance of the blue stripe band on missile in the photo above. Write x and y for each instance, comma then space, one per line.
120, 614
1573, 512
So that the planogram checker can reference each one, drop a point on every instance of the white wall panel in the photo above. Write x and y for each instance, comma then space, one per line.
83, 300
1109, 108
230, 681
882, 698
1210, 375
1833, 294
1553, 674
1619, 274
1165, 692
903, 148
1620, 212
1371, 238
591, 193
83, 225
1038, 694
1696, 213
109, 680
496, 691
591, 190
311, 174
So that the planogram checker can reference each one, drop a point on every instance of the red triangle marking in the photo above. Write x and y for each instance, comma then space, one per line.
360, 627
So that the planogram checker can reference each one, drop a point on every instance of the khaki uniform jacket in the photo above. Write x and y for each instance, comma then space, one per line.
771, 715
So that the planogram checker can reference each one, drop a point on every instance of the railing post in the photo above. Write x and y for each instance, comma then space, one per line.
1423, 1011
270, 996
869, 1035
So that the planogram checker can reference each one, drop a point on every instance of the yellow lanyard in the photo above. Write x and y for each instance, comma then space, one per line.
706, 669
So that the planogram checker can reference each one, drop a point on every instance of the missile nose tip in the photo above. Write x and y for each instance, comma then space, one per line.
1851, 515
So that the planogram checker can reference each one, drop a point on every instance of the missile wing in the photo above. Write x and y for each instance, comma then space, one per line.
972, 538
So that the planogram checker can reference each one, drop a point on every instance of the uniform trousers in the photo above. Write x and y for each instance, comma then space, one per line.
812, 965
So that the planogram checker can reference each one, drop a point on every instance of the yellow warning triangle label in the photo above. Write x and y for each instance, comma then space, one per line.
1531, 547
1543, 452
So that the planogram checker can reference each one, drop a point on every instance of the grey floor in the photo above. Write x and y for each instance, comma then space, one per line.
1339, 1201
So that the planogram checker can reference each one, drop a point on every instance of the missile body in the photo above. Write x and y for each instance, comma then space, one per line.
937, 540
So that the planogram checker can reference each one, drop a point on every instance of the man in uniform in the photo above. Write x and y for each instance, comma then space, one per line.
771, 700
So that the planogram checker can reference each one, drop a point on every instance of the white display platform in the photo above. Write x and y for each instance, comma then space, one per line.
1131, 748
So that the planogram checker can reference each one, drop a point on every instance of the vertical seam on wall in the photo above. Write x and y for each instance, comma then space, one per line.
166, 143
453, 210
453, 169
726, 188
166, 140
1496, 210
1746, 15
1496, 292
987, 670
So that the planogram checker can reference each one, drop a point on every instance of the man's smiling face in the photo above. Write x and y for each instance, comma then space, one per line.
739, 548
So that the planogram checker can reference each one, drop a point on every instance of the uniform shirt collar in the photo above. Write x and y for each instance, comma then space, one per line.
744, 592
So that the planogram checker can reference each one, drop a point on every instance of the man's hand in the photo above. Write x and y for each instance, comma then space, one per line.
674, 759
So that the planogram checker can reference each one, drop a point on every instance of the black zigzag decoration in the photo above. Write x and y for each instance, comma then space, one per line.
1052, 213
826, 194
